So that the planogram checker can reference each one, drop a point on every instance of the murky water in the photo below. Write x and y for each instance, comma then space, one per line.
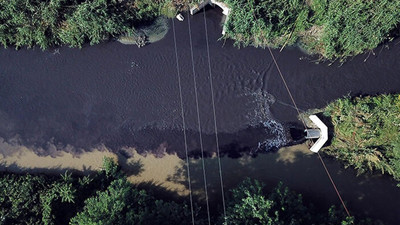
122, 96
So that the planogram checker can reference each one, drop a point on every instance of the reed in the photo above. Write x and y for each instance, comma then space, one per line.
367, 133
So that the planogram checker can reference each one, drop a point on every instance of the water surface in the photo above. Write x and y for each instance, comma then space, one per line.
122, 96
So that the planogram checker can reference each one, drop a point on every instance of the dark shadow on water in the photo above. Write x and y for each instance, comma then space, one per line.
56, 170
131, 168
159, 191
365, 195
159, 142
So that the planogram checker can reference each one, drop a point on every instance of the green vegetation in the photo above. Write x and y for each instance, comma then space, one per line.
108, 198
55, 22
332, 28
269, 22
367, 133
249, 205
29, 199
103, 198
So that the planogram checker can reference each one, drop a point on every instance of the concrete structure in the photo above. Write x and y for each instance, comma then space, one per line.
313, 133
225, 10
321, 133
180, 17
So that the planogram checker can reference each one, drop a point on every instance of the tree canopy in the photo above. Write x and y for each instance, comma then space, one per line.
107, 197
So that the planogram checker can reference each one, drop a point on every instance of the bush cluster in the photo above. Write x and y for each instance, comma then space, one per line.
335, 29
72, 22
367, 133
107, 197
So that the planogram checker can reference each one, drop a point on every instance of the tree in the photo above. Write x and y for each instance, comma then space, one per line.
122, 204
249, 205
30, 199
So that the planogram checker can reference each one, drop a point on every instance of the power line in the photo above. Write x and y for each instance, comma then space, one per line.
198, 120
215, 117
333, 183
294, 103
302, 120
183, 122
287, 87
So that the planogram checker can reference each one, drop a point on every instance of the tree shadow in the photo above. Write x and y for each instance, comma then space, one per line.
55, 170
159, 192
130, 167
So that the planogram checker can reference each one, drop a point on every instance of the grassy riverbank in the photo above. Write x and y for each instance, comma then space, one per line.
366, 133
106, 197
74, 23
334, 29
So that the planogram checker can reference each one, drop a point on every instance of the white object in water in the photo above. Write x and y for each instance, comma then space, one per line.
321, 133
180, 17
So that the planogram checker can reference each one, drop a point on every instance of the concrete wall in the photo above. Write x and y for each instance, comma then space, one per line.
225, 10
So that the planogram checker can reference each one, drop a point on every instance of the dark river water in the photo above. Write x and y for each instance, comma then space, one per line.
120, 95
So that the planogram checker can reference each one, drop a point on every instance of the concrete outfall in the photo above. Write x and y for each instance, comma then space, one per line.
321, 133
225, 10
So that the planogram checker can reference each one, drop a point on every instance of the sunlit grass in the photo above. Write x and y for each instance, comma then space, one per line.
367, 133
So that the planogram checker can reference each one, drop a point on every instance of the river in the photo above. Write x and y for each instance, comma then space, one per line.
120, 96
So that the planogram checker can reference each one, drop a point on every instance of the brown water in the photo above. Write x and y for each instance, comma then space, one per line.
374, 196
120, 97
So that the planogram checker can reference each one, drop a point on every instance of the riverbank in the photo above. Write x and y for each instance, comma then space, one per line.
106, 197
313, 24
365, 132
295, 166
140, 168
51, 24
334, 30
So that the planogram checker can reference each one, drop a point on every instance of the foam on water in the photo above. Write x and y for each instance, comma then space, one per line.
275, 133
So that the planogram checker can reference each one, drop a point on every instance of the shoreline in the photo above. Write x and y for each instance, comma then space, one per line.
296, 166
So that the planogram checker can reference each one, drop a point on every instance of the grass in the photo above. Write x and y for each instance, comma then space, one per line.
333, 29
367, 133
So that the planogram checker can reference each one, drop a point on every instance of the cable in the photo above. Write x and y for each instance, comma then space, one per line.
183, 122
286, 86
198, 120
294, 103
333, 183
304, 124
215, 117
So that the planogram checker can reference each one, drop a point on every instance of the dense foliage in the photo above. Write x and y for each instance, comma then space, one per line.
32, 199
71, 22
122, 204
108, 198
103, 198
249, 205
268, 22
332, 28
352, 27
367, 133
